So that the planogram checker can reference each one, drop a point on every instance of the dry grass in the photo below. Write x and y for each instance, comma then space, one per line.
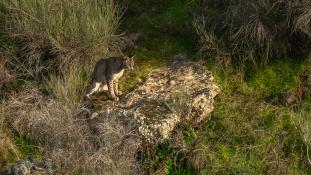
251, 30
70, 88
302, 121
6, 77
53, 35
63, 22
304, 20
69, 139
8, 151
55, 44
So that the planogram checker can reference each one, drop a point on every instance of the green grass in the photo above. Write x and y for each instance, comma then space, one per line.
134, 78
244, 133
162, 37
26, 148
163, 26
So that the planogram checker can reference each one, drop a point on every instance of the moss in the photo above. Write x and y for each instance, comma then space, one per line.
26, 148
275, 78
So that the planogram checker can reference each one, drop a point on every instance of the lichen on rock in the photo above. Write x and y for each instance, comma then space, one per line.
34, 167
183, 91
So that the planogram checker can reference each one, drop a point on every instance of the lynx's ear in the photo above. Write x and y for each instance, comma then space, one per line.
128, 57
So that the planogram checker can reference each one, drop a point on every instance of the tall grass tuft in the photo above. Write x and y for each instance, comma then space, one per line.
68, 89
79, 30
253, 30
63, 22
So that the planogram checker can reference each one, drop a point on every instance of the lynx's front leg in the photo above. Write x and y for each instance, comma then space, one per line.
116, 88
111, 90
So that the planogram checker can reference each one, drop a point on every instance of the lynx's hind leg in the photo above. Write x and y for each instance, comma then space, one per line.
92, 88
116, 88
111, 90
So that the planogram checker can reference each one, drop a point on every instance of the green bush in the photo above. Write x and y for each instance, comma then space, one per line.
252, 30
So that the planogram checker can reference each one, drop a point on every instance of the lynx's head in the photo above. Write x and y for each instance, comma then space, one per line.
128, 63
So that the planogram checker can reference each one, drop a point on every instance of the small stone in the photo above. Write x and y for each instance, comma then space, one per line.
172, 82
140, 81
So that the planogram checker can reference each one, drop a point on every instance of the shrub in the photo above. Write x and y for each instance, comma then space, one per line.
252, 30
56, 43
78, 30
70, 138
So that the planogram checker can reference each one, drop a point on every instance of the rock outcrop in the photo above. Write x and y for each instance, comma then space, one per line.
183, 91
110, 139
32, 167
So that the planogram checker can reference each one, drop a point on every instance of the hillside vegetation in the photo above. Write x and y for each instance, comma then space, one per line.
48, 52
252, 30
257, 50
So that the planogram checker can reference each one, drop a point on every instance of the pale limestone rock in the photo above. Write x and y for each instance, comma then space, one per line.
183, 91
32, 167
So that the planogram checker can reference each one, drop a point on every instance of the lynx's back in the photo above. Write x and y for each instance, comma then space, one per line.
105, 67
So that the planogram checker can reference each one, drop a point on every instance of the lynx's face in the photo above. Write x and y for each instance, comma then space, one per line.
128, 63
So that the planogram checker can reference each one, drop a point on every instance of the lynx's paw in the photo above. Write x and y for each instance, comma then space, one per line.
114, 98
119, 93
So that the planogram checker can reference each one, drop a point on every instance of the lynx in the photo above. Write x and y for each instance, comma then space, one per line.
106, 75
